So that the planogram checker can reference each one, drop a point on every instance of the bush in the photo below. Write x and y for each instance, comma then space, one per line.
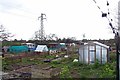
55, 62
96, 64
112, 57
75, 64
108, 71
65, 73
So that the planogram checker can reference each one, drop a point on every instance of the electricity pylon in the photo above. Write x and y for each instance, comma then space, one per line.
41, 33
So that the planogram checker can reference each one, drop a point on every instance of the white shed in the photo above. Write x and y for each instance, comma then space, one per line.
31, 46
92, 51
41, 48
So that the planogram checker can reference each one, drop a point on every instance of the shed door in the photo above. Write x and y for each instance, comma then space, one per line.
92, 52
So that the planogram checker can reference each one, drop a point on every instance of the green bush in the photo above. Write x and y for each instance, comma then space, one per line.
108, 71
96, 64
112, 57
75, 64
65, 73
55, 62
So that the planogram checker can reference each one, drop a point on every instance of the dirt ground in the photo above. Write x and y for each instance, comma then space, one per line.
39, 70
36, 71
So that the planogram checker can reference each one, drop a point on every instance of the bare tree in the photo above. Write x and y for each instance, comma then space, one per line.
51, 37
36, 36
46, 37
4, 35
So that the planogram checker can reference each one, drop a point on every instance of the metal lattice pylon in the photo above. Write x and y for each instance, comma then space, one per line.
41, 32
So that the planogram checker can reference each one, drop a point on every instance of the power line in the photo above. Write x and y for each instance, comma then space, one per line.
16, 14
106, 15
20, 15
117, 39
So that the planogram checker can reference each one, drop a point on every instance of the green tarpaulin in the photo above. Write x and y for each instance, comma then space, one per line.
18, 49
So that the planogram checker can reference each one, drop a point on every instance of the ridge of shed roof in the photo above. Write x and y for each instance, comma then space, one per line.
98, 43
101, 44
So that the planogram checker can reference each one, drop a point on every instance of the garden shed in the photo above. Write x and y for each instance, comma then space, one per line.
41, 48
18, 49
63, 46
92, 51
31, 46
53, 46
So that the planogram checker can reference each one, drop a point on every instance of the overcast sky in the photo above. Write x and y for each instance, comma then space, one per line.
65, 18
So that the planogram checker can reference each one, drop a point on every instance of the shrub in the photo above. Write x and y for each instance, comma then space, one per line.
65, 73
96, 64
55, 62
112, 57
107, 71
75, 64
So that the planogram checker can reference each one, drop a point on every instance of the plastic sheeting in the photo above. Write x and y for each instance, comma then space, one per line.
90, 53
18, 49
41, 48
